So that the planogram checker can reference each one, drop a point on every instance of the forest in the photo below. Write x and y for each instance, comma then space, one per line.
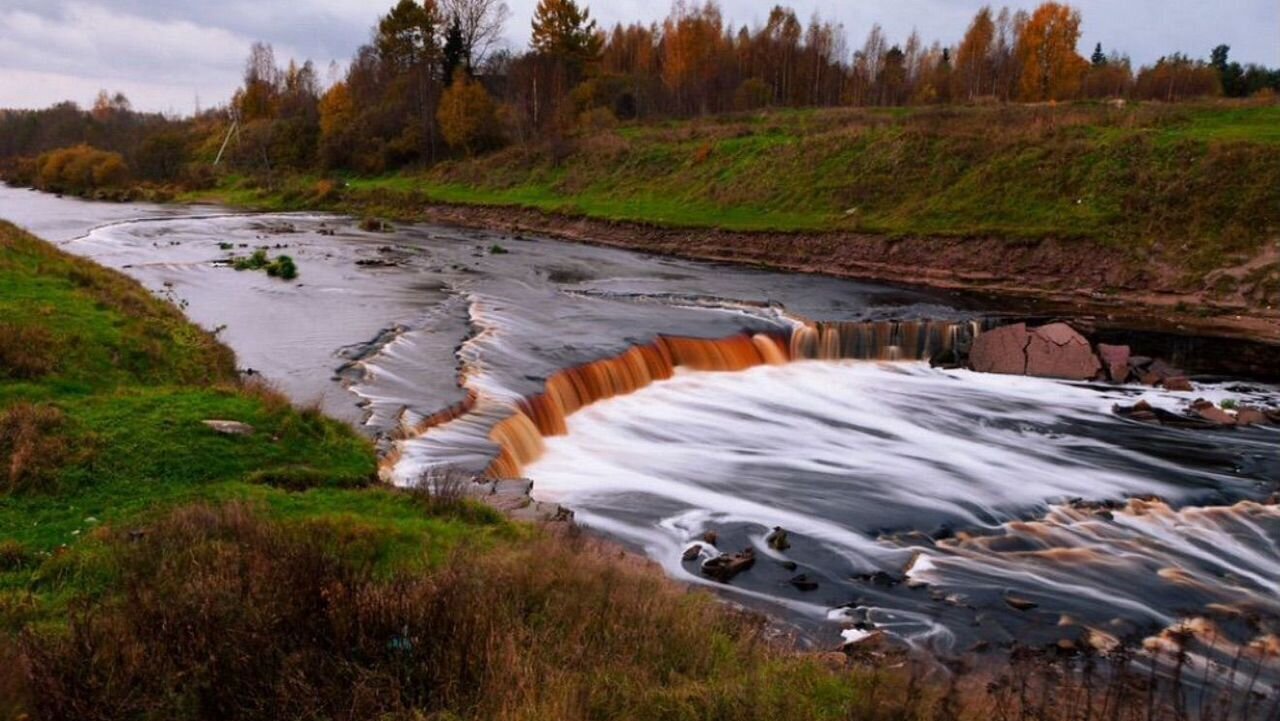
436, 82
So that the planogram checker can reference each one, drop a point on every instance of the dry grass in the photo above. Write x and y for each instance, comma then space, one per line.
31, 448
224, 615
27, 352
221, 613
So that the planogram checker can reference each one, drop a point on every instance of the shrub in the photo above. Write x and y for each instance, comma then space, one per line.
375, 225
283, 267
304, 478
80, 170
26, 352
13, 555
31, 448
257, 261
468, 117
752, 94
327, 191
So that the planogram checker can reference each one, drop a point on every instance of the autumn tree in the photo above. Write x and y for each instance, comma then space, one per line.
693, 46
1052, 69
408, 54
256, 100
973, 74
468, 117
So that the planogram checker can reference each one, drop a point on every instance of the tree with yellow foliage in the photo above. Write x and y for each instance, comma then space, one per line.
467, 116
972, 75
1052, 69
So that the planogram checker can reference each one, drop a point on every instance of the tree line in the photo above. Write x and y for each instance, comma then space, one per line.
434, 82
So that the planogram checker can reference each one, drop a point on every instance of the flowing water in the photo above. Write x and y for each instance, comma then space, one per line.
661, 399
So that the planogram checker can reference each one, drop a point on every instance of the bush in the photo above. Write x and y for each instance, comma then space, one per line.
26, 352
80, 170
282, 267
31, 449
468, 117
13, 555
304, 478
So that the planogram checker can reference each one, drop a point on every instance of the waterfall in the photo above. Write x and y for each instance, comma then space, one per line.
519, 437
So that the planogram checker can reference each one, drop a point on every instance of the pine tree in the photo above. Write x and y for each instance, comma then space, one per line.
1099, 59
455, 50
564, 30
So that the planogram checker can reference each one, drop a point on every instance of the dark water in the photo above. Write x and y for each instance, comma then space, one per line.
925, 503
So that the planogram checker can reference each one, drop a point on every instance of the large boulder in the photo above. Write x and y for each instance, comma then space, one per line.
1116, 360
1058, 351
1002, 350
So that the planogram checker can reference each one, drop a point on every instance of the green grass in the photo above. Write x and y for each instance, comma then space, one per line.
1197, 183
133, 382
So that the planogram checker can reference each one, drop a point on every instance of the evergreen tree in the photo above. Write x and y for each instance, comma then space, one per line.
566, 31
455, 50
1099, 59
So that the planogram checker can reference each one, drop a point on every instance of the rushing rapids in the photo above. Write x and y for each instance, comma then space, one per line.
663, 399
519, 437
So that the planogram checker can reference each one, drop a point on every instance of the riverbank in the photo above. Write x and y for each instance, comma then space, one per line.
1148, 214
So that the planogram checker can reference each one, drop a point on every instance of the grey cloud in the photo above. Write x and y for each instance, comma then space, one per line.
162, 52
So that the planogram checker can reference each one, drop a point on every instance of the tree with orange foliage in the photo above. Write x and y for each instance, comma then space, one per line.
972, 75
693, 42
1052, 69
467, 115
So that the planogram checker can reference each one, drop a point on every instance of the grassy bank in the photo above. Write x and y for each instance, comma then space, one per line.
152, 567
1195, 184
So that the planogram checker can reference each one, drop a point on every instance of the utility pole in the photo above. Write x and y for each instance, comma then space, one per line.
234, 129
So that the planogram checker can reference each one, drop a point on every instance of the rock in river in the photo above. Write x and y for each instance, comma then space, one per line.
727, 565
1002, 350
1058, 351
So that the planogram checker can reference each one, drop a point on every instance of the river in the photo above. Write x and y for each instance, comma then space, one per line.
950, 509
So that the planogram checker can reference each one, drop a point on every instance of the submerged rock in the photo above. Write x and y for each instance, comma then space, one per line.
727, 565
1177, 383
777, 539
803, 583
1020, 604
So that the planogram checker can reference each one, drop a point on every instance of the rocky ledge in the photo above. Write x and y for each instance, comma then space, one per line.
1057, 350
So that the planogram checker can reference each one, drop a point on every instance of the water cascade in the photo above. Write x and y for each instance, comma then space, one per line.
519, 437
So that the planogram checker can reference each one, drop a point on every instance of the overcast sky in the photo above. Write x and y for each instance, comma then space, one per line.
165, 53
